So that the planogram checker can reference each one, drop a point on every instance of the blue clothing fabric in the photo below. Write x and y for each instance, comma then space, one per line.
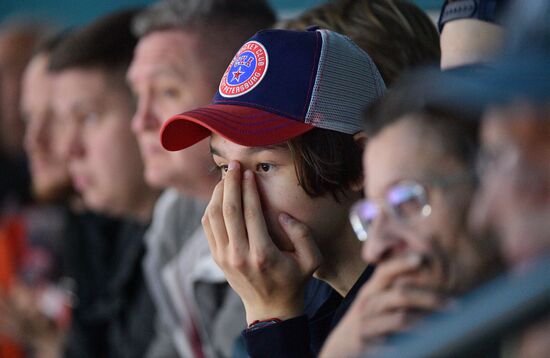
303, 336
113, 313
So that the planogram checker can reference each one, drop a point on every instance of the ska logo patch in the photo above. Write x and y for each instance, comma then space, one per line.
246, 71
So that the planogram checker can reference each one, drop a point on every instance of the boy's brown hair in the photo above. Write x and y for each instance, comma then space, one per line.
326, 162
396, 34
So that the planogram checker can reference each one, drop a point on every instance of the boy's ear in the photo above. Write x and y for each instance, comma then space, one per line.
361, 139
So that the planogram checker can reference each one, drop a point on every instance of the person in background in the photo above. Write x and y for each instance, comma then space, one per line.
397, 34
36, 266
513, 201
17, 42
37, 307
184, 46
471, 31
114, 315
419, 166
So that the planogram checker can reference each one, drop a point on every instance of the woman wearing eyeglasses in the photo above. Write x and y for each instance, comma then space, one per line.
419, 182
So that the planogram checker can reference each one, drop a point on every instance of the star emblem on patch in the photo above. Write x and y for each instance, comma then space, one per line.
237, 74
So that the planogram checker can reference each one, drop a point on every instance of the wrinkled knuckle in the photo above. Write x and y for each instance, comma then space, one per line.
237, 262
229, 210
214, 211
220, 260
260, 260
250, 213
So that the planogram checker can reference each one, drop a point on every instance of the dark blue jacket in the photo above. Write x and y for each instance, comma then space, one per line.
303, 336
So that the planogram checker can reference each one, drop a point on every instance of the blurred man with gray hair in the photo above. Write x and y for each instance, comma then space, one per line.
183, 50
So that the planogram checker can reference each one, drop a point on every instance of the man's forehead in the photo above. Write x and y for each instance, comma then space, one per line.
166, 46
76, 96
158, 55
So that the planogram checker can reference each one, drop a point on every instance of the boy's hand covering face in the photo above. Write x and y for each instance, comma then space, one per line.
381, 308
269, 281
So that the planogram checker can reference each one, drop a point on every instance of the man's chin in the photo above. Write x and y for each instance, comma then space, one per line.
52, 192
154, 180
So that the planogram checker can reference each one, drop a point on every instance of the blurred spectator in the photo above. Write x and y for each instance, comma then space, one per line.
42, 141
183, 50
470, 31
395, 33
17, 41
114, 315
514, 201
419, 180
35, 259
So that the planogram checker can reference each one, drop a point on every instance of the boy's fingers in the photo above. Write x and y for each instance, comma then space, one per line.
215, 217
258, 236
208, 233
233, 211
307, 252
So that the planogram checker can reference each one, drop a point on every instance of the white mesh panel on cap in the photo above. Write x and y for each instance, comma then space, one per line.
347, 81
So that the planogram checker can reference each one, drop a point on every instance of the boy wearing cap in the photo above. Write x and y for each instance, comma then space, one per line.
286, 134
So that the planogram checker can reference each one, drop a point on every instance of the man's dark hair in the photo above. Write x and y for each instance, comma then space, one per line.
458, 132
49, 43
107, 44
203, 15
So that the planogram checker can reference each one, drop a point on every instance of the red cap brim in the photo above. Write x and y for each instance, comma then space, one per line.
246, 126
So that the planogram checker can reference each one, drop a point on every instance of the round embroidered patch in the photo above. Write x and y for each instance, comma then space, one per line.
246, 70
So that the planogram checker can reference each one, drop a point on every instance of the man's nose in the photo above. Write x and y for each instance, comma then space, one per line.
382, 239
75, 145
144, 118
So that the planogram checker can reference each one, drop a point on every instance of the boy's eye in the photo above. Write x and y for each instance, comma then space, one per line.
264, 167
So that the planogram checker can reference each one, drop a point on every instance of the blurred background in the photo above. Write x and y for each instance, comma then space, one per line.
73, 13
